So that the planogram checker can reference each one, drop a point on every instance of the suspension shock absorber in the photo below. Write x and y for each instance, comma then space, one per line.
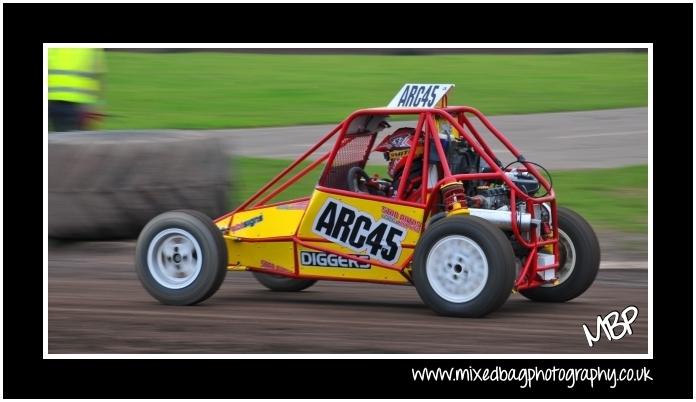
453, 196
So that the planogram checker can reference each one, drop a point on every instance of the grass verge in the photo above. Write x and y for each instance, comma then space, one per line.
226, 90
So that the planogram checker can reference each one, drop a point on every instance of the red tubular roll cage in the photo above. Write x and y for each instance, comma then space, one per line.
457, 117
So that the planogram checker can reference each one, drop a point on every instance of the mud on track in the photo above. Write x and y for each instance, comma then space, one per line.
97, 305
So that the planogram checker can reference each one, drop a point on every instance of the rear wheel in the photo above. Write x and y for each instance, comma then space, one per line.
579, 262
181, 257
280, 283
463, 266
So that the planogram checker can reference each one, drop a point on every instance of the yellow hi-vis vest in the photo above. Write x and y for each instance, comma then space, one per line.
74, 74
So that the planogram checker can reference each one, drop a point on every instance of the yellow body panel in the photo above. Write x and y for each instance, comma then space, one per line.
276, 256
276, 221
380, 231
407, 217
376, 230
263, 223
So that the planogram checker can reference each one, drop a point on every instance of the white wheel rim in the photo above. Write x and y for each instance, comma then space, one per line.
457, 268
568, 248
174, 258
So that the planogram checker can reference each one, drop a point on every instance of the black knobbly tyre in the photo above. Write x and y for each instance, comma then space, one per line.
463, 266
181, 257
580, 255
109, 184
280, 283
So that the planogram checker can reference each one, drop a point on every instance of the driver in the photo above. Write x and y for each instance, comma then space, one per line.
396, 147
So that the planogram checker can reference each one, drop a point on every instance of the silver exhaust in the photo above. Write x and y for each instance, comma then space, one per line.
502, 219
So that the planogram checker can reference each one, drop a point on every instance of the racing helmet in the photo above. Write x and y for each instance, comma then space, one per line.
396, 147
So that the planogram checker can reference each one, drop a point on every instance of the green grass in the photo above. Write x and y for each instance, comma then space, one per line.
221, 90
250, 174
615, 199
611, 198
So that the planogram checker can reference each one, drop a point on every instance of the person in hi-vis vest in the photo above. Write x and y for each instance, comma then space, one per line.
75, 87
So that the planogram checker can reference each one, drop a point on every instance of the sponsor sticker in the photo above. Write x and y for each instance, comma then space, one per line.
269, 265
346, 225
321, 259
247, 223
400, 219
398, 154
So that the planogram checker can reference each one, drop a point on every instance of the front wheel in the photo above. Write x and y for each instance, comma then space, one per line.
579, 262
463, 266
181, 257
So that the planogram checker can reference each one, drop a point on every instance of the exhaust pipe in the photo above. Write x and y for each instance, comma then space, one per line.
502, 219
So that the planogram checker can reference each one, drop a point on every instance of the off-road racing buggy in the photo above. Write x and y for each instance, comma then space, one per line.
452, 220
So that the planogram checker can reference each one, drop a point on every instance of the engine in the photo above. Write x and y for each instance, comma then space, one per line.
490, 197
497, 196
490, 200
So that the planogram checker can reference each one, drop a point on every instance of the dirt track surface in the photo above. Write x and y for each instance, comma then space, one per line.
97, 305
